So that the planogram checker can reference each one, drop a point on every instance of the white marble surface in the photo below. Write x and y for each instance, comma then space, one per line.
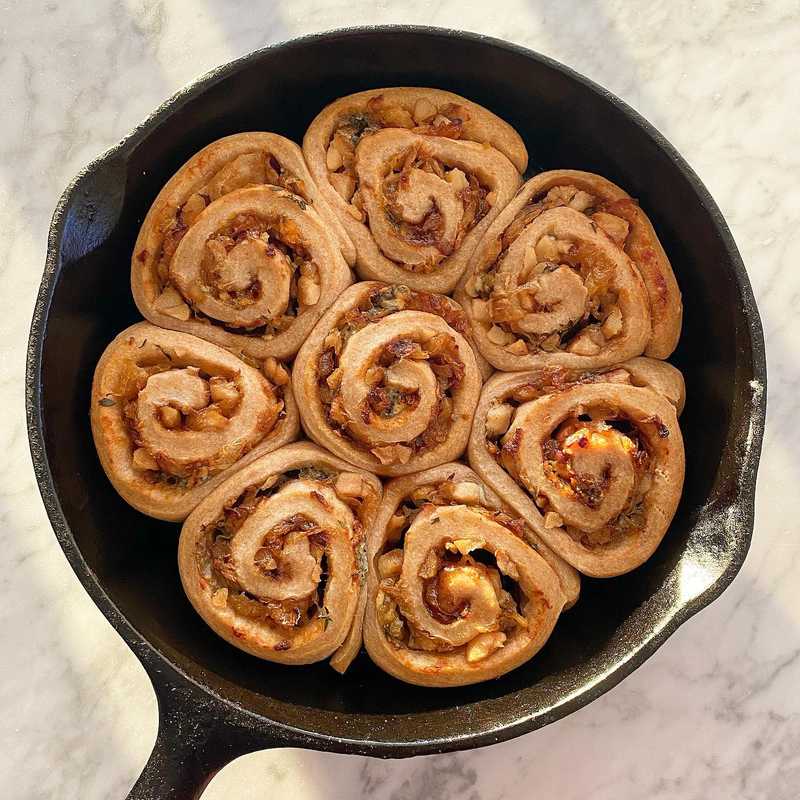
715, 713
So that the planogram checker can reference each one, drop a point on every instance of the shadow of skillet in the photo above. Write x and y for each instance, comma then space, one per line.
667, 712
80, 713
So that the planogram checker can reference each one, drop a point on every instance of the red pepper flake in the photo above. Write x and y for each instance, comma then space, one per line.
142, 256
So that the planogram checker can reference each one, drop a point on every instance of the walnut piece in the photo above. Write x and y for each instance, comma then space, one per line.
483, 645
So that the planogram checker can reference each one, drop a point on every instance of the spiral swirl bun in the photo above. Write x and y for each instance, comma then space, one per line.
594, 462
535, 297
274, 560
388, 380
416, 176
554, 291
226, 255
455, 594
619, 216
172, 415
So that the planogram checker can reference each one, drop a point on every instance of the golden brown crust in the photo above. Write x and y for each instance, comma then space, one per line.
455, 594
661, 377
173, 416
233, 260
595, 463
388, 379
553, 292
274, 560
414, 187
623, 222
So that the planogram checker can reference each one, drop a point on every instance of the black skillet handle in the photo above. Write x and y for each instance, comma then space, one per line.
197, 736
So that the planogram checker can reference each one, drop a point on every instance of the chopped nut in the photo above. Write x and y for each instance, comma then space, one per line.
424, 110
498, 336
344, 184
349, 484
334, 380
429, 566
224, 393
396, 117
498, 418
581, 200
553, 520
220, 598
457, 179
616, 227
551, 343
467, 493
338, 412
464, 546
474, 285
584, 345
269, 483
395, 524
397, 377
390, 564
344, 145
613, 323
333, 340
392, 454
517, 348
333, 158
373, 376
171, 303
209, 418
308, 291
143, 460
275, 371
547, 248
170, 417
506, 565
483, 645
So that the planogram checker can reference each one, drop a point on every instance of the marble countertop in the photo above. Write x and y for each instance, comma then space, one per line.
716, 712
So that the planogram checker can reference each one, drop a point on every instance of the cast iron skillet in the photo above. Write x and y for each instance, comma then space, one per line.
216, 703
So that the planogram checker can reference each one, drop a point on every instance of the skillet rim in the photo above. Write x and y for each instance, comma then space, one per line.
161, 669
